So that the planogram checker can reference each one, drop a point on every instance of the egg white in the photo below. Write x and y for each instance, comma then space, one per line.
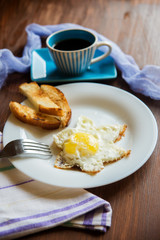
108, 151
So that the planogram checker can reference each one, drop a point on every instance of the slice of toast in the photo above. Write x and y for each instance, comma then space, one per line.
39, 99
30, 116
60, 100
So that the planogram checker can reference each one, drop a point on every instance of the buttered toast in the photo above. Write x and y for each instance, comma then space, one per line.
39, 99
31, 116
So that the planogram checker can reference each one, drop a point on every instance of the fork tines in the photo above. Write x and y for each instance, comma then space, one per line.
31, 145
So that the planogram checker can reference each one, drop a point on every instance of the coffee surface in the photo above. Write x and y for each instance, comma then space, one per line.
72, 44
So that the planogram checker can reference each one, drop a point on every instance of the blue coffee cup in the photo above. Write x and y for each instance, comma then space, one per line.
73, 50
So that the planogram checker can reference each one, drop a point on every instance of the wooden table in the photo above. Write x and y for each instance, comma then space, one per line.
134, 26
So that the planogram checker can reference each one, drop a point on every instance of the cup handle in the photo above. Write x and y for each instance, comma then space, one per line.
99, 44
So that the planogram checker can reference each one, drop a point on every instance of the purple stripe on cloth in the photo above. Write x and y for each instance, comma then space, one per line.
50, 222
14, 185
104, 216
48, 213
88, 219
1, 139
1, 142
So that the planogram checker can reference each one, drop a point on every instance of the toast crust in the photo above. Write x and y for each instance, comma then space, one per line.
60, 100
39, 99
32, 117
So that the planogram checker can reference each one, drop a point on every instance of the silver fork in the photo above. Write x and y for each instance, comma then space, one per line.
27, 148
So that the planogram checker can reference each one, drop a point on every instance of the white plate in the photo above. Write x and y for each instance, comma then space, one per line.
104, 105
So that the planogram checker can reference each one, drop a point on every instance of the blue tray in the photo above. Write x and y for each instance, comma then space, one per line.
43, 69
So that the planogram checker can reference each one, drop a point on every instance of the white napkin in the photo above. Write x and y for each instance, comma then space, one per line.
28, 206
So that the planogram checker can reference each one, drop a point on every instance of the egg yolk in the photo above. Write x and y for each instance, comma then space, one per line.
85, 143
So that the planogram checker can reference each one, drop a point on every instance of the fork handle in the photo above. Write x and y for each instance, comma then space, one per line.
5, 154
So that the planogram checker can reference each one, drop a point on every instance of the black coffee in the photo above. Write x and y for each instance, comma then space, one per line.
72, 44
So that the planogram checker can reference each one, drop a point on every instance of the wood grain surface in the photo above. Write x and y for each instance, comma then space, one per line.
134, 26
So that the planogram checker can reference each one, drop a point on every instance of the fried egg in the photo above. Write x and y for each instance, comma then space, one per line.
89, 147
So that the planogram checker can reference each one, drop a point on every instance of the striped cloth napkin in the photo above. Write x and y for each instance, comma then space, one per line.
28, 206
